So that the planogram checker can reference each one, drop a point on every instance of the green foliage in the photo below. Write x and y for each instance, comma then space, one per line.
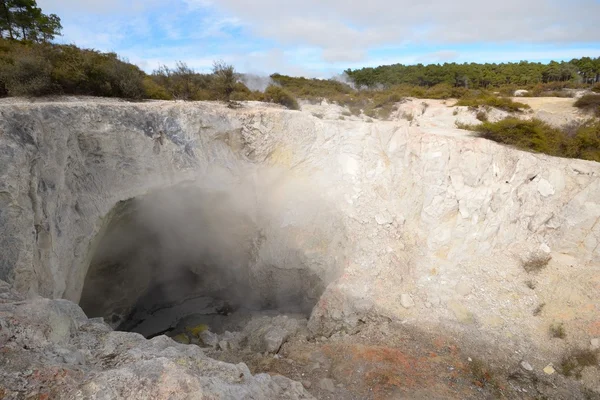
585, 143
281, 96
24, 20
475, 76
581, 141
224, 80
502, 103
46, 69
589, 102
26, 74
155, 91
183, 83
532, 135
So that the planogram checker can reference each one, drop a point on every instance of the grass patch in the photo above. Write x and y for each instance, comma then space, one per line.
576, 360
502, 103
557, 331
536, 263
589, 102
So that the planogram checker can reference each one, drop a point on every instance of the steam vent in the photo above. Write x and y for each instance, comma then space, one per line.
187, 250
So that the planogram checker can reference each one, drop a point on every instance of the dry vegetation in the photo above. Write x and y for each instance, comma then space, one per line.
536, 263
557, 331
589, 102
576, 360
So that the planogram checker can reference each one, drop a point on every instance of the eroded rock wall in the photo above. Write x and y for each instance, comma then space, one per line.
438, 224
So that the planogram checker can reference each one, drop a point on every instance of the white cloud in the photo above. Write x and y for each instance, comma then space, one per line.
356, 26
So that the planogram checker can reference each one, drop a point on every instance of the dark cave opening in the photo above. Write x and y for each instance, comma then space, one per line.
191, 256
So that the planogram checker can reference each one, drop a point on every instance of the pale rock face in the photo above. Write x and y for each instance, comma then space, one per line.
410, 209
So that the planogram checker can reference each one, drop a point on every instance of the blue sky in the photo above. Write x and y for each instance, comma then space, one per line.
320, 38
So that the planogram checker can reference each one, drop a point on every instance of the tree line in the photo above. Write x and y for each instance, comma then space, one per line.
471, 75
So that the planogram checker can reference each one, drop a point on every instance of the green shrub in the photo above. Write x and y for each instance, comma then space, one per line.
531, 135
585, 143
155, 91
224, 81
27, 74
573, 141
279, 95
502, 103
589, 102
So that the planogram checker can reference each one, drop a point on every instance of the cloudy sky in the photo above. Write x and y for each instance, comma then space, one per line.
323, 37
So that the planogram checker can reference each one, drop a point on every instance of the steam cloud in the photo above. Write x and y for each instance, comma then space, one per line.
248, 239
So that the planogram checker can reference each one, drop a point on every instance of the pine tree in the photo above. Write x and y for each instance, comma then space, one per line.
24, 20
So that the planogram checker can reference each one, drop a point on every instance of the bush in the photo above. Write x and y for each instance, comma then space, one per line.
279, 95
573, 141
531, 135
557, 331
585, 143
575, 361
183, 83
155, 91
596, 88
224, 81
536, 263
502, 103
590, 102
27, 74
482, 116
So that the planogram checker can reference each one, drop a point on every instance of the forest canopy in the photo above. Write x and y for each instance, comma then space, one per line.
584, 70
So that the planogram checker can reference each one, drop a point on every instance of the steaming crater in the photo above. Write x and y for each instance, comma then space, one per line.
204, 252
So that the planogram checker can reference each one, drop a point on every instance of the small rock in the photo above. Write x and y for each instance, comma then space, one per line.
209, 339
406, 301
327, 384
470, 359
306, 384
463, 288
274, 338
549, 370
224, 345
595, 343
526, 366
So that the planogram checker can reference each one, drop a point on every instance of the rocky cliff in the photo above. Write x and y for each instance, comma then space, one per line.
398, 220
